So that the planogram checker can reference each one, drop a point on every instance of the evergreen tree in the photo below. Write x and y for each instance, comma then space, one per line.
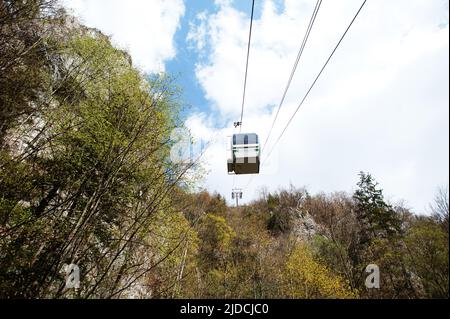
376, 217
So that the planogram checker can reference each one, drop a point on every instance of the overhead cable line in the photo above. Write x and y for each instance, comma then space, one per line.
245, 76
246, 64
294, 68
315, 80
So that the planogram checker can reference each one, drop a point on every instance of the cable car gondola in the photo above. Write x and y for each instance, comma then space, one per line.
244, 156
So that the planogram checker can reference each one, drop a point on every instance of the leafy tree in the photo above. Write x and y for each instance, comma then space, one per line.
216, 238
96, 171
214, 251
428, 256
26, 59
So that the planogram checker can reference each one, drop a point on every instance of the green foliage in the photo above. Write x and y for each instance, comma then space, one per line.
280, 222
428, 256
377, 218
216, 237
89, 175
332, 253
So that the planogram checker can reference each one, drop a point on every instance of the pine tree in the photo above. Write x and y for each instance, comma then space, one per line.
376, 217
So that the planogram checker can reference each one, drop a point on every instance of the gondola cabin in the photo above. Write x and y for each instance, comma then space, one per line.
244, 156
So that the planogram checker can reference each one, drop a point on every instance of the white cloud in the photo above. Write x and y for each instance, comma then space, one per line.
145, 28
382, 105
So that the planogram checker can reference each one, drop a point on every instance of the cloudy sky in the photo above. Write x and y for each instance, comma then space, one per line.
381, 105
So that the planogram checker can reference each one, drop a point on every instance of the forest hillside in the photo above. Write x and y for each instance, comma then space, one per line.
86, 183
